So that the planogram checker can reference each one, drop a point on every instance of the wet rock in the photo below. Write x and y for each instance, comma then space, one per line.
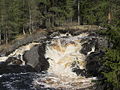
43, 63
31, 57
15, 69
13, 60
89, 44
81, 72
10, 61
13, 65
86, 48
93, 63
35, 58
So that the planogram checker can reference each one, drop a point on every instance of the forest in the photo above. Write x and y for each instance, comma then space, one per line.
25, 16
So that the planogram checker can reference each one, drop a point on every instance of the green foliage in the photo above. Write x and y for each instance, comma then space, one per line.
23, 16
96, 13
114, 36
111, 62
111, 59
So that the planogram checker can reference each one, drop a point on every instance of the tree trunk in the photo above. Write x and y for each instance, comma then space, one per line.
6, 37
0, 37
53, 21
78, 12
110, 12
3, 17
71, 20
23, 31
109, 17
30, 22
1, 27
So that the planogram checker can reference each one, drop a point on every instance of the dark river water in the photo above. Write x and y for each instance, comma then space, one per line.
67, 66
20, 81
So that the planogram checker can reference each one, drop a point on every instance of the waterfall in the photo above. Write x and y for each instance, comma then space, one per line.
63, 54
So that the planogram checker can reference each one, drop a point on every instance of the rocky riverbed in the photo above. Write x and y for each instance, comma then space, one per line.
64, 60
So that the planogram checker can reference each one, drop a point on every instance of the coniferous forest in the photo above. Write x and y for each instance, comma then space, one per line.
25, 16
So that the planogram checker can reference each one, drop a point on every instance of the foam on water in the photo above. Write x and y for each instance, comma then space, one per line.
18, 53
69, 83
62, 54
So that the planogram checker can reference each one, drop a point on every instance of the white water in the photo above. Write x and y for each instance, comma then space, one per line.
62, 53
93, 50
18, 53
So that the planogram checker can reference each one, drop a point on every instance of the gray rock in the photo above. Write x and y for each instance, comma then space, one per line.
32, 57
14, 61
38, 37
35, 58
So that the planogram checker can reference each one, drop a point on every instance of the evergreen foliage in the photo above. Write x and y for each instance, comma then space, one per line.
111, 60
25, 16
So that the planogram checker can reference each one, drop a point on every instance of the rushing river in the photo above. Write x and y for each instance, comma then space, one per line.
65, 60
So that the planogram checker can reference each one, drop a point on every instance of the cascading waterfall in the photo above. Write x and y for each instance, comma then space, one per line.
63, 56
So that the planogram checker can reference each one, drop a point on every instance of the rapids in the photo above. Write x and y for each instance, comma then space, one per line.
18, 53
64, 55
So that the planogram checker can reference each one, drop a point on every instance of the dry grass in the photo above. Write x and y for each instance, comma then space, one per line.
19, 37
39, 31
4, 46
78, 27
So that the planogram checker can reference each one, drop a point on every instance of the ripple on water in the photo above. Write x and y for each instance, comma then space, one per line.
54, 81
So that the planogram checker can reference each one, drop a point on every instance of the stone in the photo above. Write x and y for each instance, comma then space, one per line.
35, 58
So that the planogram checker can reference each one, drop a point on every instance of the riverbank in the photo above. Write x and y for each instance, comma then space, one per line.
41, 34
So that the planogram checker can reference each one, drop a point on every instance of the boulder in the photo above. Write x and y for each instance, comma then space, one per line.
93, 63
31, 57
35, 58
14, 61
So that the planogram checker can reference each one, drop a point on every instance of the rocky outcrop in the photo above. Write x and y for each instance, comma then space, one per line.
93, 60
37, 37
14, 65
31, 57
32, 60
35, 58
93, 64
